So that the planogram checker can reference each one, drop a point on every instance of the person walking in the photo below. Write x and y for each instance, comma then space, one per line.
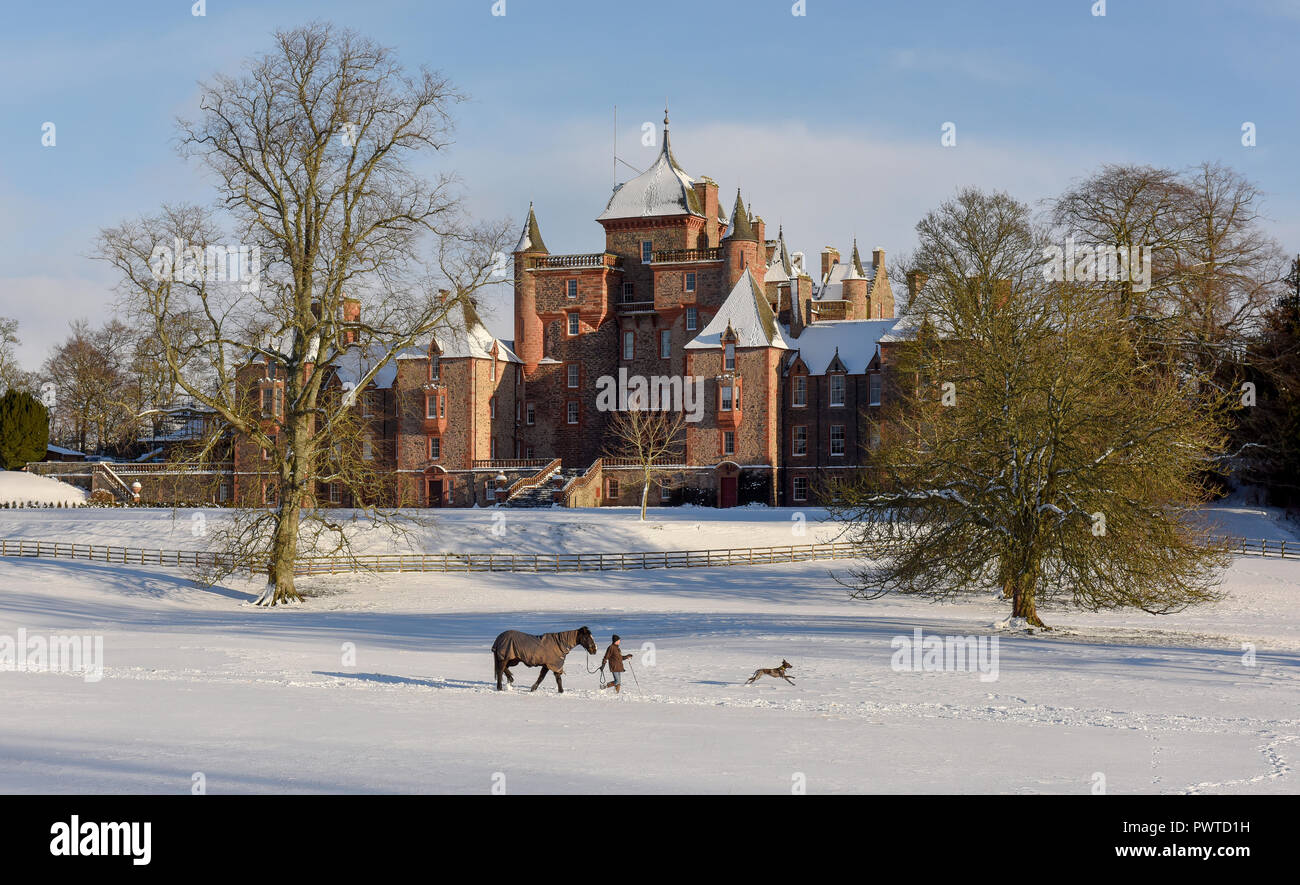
614, 657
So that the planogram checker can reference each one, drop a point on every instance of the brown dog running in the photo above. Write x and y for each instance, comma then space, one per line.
774, 671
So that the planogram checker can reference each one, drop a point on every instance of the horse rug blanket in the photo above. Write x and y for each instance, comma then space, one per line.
534, 651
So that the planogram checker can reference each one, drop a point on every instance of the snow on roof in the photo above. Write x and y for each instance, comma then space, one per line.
748, 314
663, 189
352, 365
531, 236
60, 450
855, 340
832, 285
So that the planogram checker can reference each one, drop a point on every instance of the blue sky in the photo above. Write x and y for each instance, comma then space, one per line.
829, 121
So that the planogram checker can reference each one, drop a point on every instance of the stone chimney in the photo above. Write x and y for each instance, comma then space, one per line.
800, 299
707, 191
915, 281
830, 257
351, 314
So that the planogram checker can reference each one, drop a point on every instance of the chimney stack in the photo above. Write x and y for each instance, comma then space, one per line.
351, 314
830, 257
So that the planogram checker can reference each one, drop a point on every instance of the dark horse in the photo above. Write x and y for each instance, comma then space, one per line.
547, 651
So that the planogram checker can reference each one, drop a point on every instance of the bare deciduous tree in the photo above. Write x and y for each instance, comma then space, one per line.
313, 147
653, 442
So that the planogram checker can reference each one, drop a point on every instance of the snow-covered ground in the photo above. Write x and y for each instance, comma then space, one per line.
25, 489
508, 530
195, 680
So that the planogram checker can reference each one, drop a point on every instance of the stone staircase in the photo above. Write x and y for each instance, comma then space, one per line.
542, 495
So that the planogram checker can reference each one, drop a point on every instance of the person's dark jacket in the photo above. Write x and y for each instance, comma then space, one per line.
614, 659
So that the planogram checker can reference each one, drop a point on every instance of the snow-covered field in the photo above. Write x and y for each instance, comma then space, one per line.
195, 680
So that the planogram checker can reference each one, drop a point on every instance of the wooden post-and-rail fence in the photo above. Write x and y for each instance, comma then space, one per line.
507, 562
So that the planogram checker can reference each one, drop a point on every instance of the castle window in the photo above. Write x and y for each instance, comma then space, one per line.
492, 376
690, 282
367, 449
837, 390
629, 292
692, 319
571, 288
665, 343
435, 448
729, 357
799, 441
800, 393
801, 488
336, 493
725, 398
530, 414
572, 416
629, 344
573, 323
435, 366
875, 390
647, 251
837, 439
728, 442
573, 370
431, 406
611, 488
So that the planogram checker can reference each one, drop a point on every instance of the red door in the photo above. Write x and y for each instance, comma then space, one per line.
727, 489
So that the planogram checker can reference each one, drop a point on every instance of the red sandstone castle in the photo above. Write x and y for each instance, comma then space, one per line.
790, 363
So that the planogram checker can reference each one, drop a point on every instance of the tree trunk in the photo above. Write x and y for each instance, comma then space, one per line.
645, 496
280, 586
1023, 604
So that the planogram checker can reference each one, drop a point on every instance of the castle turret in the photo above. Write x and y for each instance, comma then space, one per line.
855, 288
740, 245
528, 325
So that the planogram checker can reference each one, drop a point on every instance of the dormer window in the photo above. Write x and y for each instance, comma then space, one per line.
837, 390
729, 356
435, 366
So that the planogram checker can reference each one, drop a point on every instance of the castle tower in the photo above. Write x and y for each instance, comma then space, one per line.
740, 245
855, 288
528, 325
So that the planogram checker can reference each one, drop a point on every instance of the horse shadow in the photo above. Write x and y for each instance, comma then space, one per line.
389, 679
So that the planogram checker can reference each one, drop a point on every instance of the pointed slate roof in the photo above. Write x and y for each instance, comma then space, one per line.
740, 227
531, 238
663, 189
747, 313
856, 263
780, 268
